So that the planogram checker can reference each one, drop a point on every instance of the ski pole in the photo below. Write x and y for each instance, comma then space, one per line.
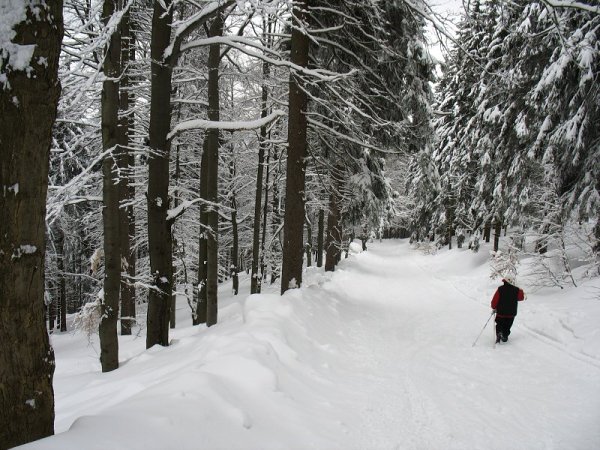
481, 332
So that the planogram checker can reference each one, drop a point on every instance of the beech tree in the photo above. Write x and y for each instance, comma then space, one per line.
109, 343
29, 93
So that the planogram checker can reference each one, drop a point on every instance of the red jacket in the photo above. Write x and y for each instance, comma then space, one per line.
504, 300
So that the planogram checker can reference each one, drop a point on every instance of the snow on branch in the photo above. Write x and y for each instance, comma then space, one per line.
241, 43
174, 213
187, 26
572, 4
222, 125
226, 40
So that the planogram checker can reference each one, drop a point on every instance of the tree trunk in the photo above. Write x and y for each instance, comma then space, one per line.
28, 109
291, 272
199, 315
62, 284
256, 280
212, 136
309, 245
264, 228
176, 178
334, 234
497, 231
159, 229
234, 230
51, 314
487, 230
276, 216
320, 238
109, 343
126, 190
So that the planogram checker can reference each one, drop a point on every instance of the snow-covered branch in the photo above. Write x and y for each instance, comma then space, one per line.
572, 4
228, 126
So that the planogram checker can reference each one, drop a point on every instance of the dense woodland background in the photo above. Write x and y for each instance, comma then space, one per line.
193, 140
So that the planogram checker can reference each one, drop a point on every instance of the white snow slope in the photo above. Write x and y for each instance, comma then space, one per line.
377, 355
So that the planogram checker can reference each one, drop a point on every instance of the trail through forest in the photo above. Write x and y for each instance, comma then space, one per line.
377, 355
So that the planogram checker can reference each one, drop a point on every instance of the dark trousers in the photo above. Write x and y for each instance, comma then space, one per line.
503, 325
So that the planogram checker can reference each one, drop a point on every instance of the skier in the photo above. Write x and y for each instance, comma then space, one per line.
504, 304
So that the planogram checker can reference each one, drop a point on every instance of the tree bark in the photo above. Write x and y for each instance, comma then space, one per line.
199, 315
234, 230
212, 136
309, 245
159, 229
51, 314
234, 247
256, 279
126, 189
62, 284
320, 238
176, 178
334, 234
28, 101
109, 343
264, 228
291, 272
497, 231
276, 216
487, 231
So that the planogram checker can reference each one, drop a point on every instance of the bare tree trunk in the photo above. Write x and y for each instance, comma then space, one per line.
28, 109
212, 254
62, 284
199, 315
291, 272
264, 228
256, 280
52, 315
176, 178
276, 216
487, 230
126, 190
159, 229
497, 232
109, 343
333, 241
309, 245
320, 238
234, 230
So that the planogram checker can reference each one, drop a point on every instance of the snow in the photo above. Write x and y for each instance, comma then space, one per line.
14, 189
13, 12
377, 355
25, 249
224, 125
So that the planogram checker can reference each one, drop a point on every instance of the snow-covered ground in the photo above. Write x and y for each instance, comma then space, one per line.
377, 355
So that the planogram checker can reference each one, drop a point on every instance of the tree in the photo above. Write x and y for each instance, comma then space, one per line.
109, 342
293, 250
256, 279
29, 94
212, 173
159, 232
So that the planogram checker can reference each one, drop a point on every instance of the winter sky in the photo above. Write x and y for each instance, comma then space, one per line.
448, 10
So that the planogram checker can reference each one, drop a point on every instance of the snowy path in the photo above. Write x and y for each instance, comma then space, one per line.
429, 388
376, 356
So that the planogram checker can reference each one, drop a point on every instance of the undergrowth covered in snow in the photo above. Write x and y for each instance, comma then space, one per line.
377, 355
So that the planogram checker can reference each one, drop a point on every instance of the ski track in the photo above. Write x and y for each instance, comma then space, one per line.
433, 389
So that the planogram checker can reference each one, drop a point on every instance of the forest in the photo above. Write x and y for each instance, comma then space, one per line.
156, 149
